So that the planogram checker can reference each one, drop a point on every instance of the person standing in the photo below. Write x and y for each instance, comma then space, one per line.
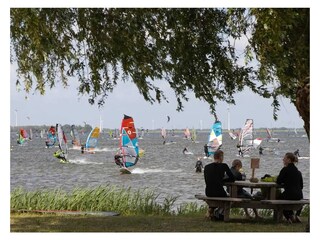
214, 175
291, 180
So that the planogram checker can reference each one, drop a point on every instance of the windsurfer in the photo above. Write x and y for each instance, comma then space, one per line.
82, 149
118, 160
296, 153
185, 150
199, 165
60, 155
206, 150
260, 150
239, 150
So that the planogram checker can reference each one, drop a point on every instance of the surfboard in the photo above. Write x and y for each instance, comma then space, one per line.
125, 170
62, 161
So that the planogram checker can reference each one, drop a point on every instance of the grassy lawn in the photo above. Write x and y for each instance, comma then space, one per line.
30, 222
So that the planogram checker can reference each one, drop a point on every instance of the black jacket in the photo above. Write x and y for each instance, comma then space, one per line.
291, 179
214, 176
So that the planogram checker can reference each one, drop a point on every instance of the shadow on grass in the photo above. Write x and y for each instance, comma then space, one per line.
60, 223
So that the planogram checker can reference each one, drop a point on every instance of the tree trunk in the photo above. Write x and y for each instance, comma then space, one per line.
303, 104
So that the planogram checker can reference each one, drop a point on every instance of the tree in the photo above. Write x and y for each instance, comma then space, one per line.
281, 41
191, 49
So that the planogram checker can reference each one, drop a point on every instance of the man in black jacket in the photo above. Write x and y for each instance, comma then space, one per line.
214, 176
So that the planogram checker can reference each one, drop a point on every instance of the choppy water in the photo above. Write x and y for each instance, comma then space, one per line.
164, 168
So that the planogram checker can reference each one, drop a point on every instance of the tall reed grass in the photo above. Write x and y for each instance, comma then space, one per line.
111, 198
102, 198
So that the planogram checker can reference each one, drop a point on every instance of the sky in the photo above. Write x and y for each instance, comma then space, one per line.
65, 106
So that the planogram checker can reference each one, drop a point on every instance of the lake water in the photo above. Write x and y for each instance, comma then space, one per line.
163, 168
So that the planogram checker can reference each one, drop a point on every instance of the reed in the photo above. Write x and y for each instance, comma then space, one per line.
111, 198
101, 198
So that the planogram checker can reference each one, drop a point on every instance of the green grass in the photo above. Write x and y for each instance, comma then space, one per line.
140, 211
190, 223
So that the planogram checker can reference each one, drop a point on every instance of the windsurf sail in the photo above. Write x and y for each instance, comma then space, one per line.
268, 133
270, 138
51, 137
163, 133
193, 135
232, 135
63, 145
129, 146
75, 136
23, 136
42, 132
92, 139
257, 142
187, 133
31, 134
246, 136
215, 138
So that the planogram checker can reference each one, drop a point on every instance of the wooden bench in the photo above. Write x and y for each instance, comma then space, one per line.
279, 205
223, 202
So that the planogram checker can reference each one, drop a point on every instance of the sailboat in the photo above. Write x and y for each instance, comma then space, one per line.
246, 140
51, 137
215, 138
92, 141
75, 137
62, 154
128, 144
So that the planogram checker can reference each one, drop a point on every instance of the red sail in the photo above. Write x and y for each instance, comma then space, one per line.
128, 125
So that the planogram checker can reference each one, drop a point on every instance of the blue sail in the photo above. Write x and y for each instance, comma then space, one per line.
92, 139
215, 138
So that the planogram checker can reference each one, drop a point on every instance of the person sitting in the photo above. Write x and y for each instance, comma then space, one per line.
215, 174
241, 193
291, 180
118, 160
199, 165
60, 155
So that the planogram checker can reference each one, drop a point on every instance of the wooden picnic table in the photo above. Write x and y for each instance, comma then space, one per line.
270, 187
269, 201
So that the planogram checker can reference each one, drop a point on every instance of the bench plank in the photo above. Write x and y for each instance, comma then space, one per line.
286, 202
224, 202
280, 205
226, 199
